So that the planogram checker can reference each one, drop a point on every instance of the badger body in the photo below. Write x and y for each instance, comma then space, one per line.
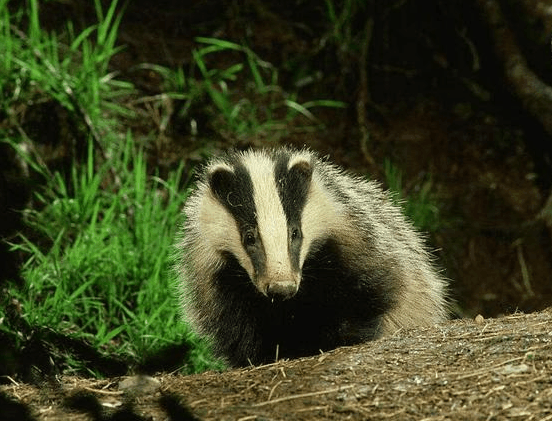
284, 254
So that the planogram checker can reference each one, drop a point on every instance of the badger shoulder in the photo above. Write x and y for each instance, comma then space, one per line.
374, 231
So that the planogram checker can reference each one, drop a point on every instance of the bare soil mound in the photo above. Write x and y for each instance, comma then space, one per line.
494, 369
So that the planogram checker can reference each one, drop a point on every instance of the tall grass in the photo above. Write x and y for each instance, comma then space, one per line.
96, 266
420, 204
245, 93
104, 275
71, 69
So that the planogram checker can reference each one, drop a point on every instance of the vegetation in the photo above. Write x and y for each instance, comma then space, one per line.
104, 273
71, 70
419, 205
98, 266
245, 95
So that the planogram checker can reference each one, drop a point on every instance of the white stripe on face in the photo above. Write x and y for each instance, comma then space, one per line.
271, 219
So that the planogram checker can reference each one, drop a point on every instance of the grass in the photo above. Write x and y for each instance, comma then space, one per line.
245, 93
71, 70
419, 205
97, 262
342, 22
104, 275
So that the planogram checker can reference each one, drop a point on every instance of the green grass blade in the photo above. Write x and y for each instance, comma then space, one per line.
220, 44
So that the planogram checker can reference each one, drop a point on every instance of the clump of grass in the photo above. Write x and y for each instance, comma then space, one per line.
104, 275
420, 205
71, 69
341, 18
245, 94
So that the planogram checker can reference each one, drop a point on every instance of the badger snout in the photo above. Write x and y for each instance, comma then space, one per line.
282, 290
279, 281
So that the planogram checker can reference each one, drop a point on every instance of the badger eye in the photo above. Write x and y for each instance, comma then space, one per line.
249, 239
294, 233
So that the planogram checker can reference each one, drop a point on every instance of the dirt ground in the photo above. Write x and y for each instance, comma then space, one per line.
481, 369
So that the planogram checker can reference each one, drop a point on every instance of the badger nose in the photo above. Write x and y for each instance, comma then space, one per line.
281, 290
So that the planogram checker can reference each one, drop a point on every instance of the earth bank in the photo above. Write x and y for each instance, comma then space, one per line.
482, 369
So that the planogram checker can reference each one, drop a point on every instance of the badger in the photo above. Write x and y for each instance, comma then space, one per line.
284, 254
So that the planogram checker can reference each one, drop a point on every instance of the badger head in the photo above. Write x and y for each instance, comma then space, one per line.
253, 210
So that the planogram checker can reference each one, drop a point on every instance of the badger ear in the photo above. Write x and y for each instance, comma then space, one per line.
221, 181
301, 170
296, 187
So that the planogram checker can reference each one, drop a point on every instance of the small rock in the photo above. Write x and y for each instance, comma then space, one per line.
513, 369
140, 385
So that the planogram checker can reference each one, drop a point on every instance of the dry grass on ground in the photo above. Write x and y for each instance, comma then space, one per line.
494, 369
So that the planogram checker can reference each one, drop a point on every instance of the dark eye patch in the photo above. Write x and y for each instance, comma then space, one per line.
293, 187
234, 190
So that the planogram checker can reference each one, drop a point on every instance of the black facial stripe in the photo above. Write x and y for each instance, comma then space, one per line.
234, 190
293, 187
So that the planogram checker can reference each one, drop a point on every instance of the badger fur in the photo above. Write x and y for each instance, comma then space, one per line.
283, 253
